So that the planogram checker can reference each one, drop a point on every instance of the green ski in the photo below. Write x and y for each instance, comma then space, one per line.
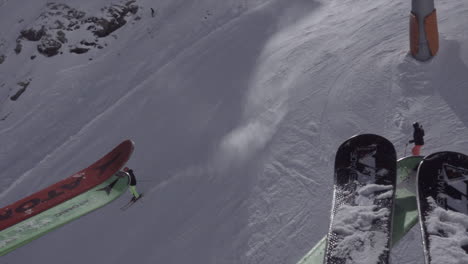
26, 231
405, 214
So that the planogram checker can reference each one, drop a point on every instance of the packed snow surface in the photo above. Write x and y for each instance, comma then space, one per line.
236, 108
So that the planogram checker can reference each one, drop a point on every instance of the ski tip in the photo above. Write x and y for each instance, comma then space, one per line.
128, 143
368, 139
443, 154
369, 135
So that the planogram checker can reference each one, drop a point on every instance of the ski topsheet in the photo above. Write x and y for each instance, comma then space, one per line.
361, 219
405, 214
22, 233
68, 188
443, 207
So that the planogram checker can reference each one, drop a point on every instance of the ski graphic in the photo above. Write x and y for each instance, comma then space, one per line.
442, 193
364, 190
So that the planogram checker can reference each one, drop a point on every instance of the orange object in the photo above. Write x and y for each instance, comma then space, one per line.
414, 34
416, 150
432, 32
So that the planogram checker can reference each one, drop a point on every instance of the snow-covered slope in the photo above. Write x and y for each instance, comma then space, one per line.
236, 108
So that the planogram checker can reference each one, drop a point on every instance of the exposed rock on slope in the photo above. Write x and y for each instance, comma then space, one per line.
61, 24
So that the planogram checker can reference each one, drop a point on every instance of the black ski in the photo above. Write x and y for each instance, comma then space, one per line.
442, 193
364, 190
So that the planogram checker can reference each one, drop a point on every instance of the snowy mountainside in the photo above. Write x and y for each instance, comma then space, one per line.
236, 108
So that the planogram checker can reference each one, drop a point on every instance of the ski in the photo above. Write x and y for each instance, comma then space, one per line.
34, 227
362, 210
405, 215
442, 191
64, 190
131, 202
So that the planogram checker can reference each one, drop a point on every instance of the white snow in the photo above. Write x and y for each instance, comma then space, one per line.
385, 195
361, 242
370, 189
447, 247
362, 247
236, 108
354, 218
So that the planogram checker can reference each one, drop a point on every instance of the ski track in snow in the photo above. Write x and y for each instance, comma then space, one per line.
236, 108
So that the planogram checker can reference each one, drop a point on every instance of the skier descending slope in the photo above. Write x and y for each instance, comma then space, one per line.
442, 183
418, 139
361, 220
127, 172
132, 184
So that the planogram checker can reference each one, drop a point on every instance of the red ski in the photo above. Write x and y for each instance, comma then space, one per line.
68, 188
